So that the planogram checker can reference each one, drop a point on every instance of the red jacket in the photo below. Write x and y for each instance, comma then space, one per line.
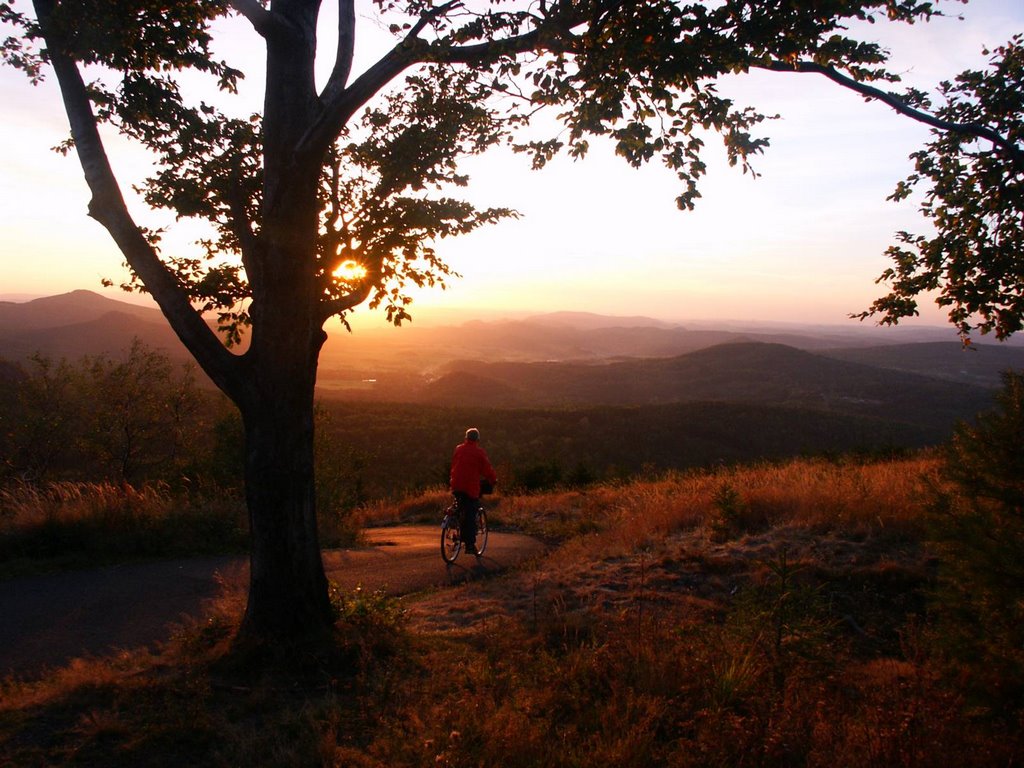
469, 464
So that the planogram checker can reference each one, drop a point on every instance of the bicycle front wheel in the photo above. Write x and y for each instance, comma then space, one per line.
481, 531
451, 542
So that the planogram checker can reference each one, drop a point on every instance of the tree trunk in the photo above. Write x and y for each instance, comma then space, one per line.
288, 596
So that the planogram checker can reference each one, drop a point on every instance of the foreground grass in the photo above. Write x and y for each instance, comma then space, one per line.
768, 616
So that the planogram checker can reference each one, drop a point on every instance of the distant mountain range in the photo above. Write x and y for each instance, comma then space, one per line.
569, 337
80, 323
981, 365
83, 322
68, 309
580, 360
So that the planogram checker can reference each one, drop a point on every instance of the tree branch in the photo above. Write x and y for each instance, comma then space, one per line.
333, 307
474, 54
977, 130
260, 18
338, 110
371, 280
341, 103
107, 206
346, 48
242, 229
560, 18
430, 16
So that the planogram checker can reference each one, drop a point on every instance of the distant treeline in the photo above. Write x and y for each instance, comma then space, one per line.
139, 418
395, 448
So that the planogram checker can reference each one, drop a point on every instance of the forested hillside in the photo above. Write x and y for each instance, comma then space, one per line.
387, 448
604, 415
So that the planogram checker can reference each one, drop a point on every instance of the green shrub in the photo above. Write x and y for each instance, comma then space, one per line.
978, 522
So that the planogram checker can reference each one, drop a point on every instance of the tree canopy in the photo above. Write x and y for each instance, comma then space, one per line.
641, 73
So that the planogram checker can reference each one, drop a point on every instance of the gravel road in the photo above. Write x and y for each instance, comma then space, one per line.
46, 621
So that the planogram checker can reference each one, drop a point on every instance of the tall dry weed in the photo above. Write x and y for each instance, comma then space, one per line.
857, 499
26, 505
424, 507
73, 524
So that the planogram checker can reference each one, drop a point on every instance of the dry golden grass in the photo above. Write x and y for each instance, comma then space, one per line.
821, 516
857, 498
25, 505
650, 637
862, 500
75, 524
766, 616
425, 506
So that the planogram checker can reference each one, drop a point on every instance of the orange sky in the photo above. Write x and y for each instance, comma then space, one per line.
804, 242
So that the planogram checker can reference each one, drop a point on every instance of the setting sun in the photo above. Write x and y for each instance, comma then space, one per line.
350, 271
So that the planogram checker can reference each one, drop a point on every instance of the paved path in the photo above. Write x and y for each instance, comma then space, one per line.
46, 621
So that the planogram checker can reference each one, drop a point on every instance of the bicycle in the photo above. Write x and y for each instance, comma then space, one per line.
451, 540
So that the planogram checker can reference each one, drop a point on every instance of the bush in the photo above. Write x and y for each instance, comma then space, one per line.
135, 418
979, 525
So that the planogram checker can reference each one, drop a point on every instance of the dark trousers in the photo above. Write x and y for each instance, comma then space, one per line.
467, 507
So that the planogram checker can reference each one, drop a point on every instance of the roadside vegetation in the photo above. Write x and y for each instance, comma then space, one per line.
774, 615
66, 525
840, 611
123, 457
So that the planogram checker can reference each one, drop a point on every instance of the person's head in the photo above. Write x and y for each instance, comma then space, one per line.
473, 434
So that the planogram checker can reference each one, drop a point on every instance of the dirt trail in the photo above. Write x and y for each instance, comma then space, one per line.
47, 621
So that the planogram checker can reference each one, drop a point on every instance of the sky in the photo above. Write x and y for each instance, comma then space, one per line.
802, 243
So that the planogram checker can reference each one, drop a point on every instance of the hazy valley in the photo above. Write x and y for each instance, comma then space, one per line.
593, 394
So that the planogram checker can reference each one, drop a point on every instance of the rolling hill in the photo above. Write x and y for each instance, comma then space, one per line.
749, 373
578, 360
81, 323
570, 336
568, 396
68, 309
979, 364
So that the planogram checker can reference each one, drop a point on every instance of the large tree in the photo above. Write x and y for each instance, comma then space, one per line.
335, 194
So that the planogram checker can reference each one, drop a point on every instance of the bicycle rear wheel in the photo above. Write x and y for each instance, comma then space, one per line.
481, 531
451, 541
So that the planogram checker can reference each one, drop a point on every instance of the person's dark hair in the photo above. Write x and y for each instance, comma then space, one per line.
473, 434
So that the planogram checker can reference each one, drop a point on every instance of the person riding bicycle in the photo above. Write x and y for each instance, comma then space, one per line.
470, 465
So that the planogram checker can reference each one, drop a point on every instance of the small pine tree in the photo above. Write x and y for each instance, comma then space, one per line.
986, 460
979, 525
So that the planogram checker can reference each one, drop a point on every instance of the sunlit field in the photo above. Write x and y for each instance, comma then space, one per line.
771, 615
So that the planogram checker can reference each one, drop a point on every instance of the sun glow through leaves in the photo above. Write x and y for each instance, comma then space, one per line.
350, 271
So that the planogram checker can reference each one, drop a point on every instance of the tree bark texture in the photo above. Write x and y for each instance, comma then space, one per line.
288, 595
